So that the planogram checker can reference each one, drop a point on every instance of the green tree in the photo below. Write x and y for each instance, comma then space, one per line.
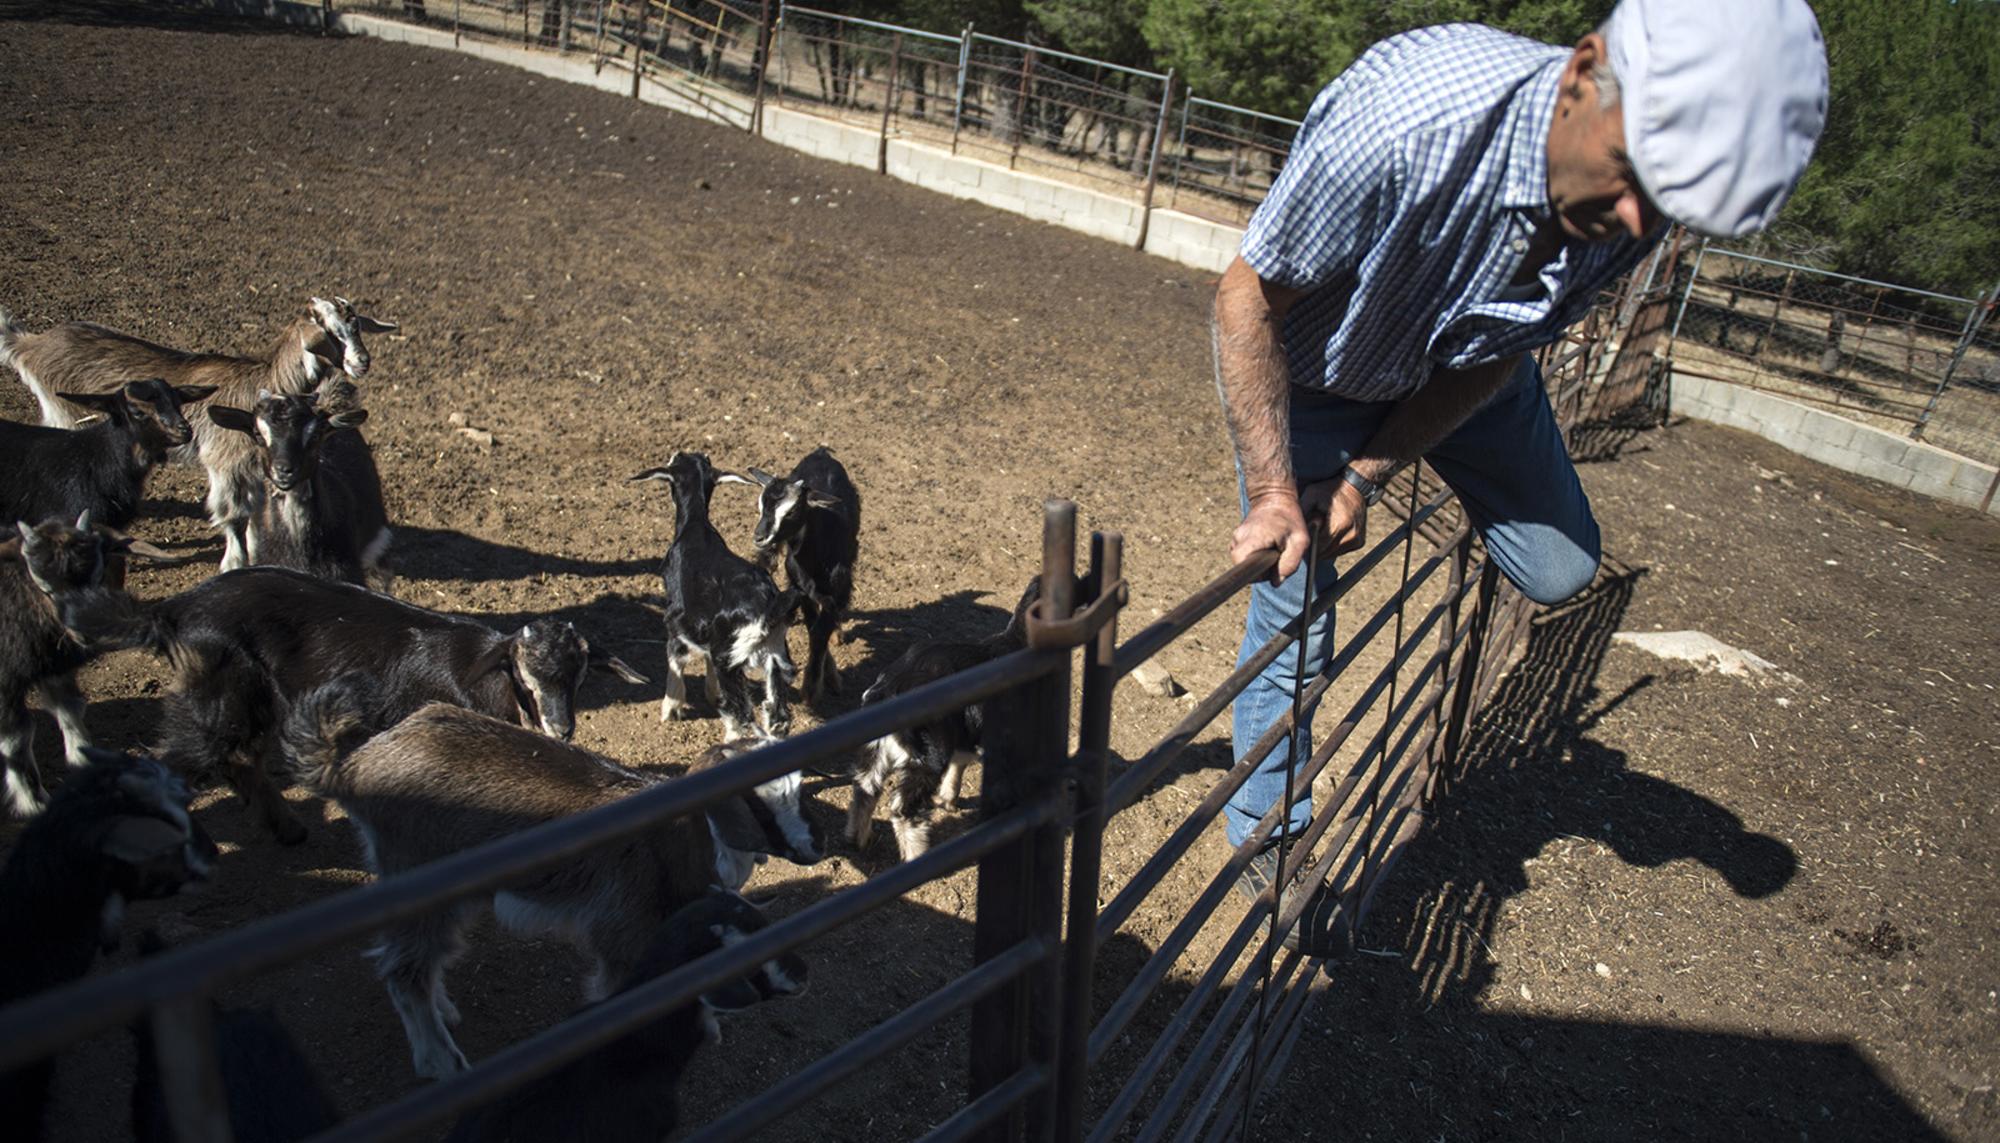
1101, 29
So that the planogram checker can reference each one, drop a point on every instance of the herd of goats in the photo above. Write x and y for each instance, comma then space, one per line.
434, 732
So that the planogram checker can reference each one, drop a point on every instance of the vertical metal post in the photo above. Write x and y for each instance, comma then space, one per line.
1981, 307
184, 1046
1087, 843
1180, 149
1434, 761
597, 47
1021, 105
958, 104
1020, 885
524, 22
763, 65
1471, 662
639, 50
568, 21
889, 104
455, 5
1771, 331
1153, 162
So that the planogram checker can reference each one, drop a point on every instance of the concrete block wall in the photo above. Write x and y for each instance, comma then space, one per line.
1864, 450
1181, 238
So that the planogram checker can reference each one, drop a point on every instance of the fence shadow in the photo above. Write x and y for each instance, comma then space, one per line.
447, 554
1531, 774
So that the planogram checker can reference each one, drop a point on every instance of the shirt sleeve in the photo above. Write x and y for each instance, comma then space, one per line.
1330, 202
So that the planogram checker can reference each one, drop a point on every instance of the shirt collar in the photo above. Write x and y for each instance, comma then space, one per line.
1531, 111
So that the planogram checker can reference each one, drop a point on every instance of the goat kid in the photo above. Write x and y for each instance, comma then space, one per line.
812, 521
245, 643
766, 821
720, 607
624, 1092
445, 780
921, 766
101, 469
117, 831
82, 357
36, 653
322, 512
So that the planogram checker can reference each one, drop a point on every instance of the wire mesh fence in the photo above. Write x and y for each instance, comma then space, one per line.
1224, 159
1901, 359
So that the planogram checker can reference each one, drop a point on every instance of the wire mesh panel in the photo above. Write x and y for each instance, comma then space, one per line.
1873, 352
855, 70
1037, 109
1224, 159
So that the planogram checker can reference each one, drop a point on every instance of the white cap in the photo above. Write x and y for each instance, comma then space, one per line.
1723, 103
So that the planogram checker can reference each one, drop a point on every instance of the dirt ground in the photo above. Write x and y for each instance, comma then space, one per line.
1659, 903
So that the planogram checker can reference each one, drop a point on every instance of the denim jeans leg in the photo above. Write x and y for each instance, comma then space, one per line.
1325, 432
1512, 472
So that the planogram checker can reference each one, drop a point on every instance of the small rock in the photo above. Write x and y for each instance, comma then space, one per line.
703, 184
480, 437
1154, 680
1603, 970
1525, 994
456, 420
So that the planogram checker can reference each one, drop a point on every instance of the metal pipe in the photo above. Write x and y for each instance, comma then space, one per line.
958, 106
1153, 162
888, 104
978, 1115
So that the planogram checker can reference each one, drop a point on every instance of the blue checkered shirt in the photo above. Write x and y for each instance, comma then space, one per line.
1405, 210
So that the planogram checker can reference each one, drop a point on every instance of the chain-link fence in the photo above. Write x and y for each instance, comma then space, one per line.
1907, 360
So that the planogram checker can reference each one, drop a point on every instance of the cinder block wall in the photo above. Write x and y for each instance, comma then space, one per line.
1182, 238
1834, 440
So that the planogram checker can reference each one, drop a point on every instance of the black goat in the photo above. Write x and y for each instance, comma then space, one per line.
247, 643
117, 831
923, 765
624, 1091
35, 652
721, 607
322, 512
812, 520
102, 468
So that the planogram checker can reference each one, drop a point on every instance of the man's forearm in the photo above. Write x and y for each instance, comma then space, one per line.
1252, 375
1429, 415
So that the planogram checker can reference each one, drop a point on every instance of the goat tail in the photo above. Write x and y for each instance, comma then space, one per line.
326, 725
110, 618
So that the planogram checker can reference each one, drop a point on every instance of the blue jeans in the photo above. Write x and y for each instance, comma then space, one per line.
1509, 467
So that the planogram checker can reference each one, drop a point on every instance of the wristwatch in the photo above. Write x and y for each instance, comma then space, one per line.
1371, 492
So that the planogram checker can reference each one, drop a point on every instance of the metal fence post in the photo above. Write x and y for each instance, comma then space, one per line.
597, 47
1180, 147
889, 104
1153, 162
639, 51
455, 5
1470, 662
1974, 320
1021, 106
1087, 843
958, 105
763, 61
1020, 893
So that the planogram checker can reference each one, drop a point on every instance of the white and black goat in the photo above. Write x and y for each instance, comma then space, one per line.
721, 607
322, 512
245, 643
82, 357
812, 521
766, 821
117, 831
101, 469
624, 1092
444, 780
37, 563
922, 766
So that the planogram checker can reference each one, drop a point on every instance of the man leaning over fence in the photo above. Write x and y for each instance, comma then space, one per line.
1456, 199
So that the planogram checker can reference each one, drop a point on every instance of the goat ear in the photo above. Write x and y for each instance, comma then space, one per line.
820, 499
619, 667
736, 824
762, 477
651, 474
231, 417
136, 839
367, 324
498, 657
102, 402
189, 394
348, 419
725, 477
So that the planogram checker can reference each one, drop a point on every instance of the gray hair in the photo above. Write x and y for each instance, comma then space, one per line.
1608, 91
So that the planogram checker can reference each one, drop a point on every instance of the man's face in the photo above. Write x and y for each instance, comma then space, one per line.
1595, 193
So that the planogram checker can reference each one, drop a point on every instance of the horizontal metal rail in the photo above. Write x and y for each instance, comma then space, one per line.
544, 1052
1717, 251
43, 1023
878, 25
1051, 53
799, 1089
976, 1116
